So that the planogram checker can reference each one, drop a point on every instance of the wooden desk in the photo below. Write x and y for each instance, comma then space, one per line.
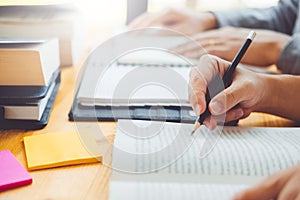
90, 181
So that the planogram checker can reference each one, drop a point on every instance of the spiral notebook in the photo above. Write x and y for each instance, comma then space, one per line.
145, 77
148, 83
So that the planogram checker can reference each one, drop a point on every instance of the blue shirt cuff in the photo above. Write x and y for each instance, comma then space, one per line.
289, 59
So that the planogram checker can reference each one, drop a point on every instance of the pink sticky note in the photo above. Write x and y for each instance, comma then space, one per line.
12, 173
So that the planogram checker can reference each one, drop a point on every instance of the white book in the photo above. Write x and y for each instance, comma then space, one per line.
28, 62
28, 110
159, 160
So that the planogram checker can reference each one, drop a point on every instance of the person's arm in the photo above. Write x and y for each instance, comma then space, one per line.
281, 18
289, 59
249, 92
282, 96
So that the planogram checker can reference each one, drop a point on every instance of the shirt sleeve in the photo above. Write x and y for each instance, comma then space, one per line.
281, 17
289, 59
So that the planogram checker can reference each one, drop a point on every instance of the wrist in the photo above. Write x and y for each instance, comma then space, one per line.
277, 47
270, 94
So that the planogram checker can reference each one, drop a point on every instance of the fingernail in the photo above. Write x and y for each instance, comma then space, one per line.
239, 113
217, 108
197, 109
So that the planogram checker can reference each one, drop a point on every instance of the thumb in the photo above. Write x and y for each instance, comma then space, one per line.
227, 99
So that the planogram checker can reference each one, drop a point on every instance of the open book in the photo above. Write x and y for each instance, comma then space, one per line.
161, 160
151, 75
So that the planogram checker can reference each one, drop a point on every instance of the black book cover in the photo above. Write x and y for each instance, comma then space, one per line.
32, 124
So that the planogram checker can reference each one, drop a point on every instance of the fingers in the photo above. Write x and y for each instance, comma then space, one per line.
196, 49
229, 98
290, 190
139, 21
223, 43
165, 18
268, 189
264, 191
210, 123
233, 114
221, 51
197, 89
208, 67
196, 43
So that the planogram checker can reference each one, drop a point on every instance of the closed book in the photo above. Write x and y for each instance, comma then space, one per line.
61, 21
27, 62
30, 124
30, 108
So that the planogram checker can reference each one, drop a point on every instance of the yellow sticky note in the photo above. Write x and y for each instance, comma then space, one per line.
60, 149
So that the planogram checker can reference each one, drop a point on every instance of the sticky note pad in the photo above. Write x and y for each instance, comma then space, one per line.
60, 149
12, 173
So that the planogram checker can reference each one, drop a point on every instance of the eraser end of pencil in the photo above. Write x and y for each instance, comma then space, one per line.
251, 35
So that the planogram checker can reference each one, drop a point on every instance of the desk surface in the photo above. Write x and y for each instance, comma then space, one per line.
89, 181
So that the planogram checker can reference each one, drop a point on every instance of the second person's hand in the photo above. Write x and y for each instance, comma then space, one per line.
225, 42
187, 22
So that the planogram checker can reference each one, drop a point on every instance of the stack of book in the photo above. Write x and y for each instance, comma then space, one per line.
29, 81
41, 19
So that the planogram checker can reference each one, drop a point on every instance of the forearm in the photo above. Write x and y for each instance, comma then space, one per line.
279, 18
281, 96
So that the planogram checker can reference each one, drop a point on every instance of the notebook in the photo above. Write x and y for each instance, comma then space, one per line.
161, 160
142, 77
114, 87
135, 85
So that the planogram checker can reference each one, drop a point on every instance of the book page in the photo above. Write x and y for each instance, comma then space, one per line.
164, 147
137, 85
172, 190
157, 57
163, 158
136, 69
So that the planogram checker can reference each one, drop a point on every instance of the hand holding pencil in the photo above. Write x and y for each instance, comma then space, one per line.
245, 94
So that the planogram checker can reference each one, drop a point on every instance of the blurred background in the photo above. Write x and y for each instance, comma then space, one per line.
105, 15
113, 13
81, 25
